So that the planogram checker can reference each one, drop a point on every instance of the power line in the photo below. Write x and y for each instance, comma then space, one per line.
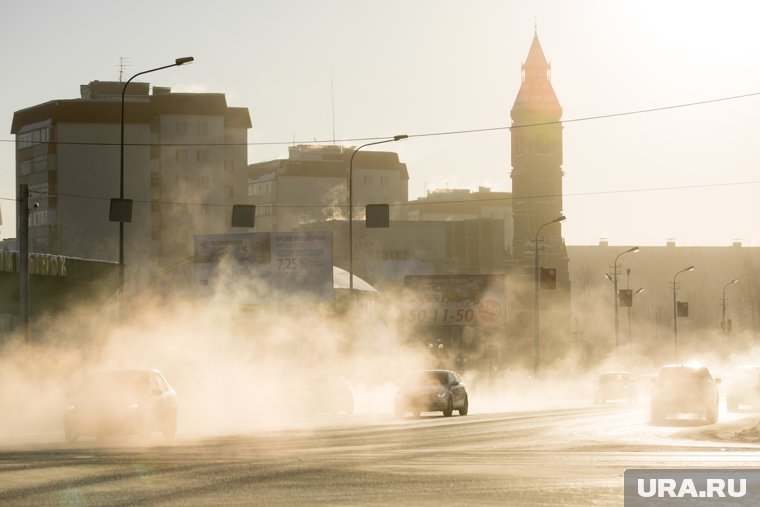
419, 135
44, 195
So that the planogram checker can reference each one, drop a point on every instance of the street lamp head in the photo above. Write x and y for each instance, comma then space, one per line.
634, 250
560, 218
184, 60
639, 291
690, 268
400, 137
734, 280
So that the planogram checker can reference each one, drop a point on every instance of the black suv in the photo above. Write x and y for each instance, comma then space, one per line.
681, 389
431, 391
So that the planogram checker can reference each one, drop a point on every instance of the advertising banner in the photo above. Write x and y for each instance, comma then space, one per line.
277, 265
456, 300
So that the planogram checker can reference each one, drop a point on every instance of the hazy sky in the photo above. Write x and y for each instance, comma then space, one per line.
420, 67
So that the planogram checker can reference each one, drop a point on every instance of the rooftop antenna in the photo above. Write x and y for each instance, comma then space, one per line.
123, 63
332, 98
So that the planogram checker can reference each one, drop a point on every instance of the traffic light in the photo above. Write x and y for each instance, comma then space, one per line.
378, 216
625, 298
243, 215
682, 309
548, 278
120, 210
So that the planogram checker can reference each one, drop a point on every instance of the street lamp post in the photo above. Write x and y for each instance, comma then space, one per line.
723, 325
638, 291
675, 313
536, 354
177, 63
615, 283
351, 208
723, 301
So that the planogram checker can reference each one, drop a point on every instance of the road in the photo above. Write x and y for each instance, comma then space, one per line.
569, 456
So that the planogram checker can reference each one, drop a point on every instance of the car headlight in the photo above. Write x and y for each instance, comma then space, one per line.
443, 394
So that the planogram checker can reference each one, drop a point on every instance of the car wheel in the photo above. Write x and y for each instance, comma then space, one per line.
711, 416
449, 409
465, 407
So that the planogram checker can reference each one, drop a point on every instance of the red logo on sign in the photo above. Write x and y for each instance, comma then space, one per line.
489, 310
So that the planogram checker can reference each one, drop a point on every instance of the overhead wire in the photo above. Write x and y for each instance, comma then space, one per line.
423, 134
419, 135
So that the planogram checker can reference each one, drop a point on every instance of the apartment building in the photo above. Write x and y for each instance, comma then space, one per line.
312, 185
185, 165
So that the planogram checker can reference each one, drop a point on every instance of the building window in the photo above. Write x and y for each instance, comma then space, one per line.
155, 232
33, 137
230, 191
204, 182
181, 156
25, 167
202, 156
264, 209
368, 181
384, 181
228, 166
181, 128
203, 128
41, 189
39, 164
155, 206
155, 179
155, 151
38, 218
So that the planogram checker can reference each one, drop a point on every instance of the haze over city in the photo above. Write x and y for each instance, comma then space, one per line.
351, 71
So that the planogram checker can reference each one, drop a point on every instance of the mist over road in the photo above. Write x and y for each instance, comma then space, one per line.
572, 456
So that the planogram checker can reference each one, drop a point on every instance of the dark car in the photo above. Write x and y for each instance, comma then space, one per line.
684, 390
121, 402
743, 389
431, 391
615, 386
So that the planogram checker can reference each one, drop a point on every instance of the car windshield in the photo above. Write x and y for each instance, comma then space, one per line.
428, 379
113, 382
671, 376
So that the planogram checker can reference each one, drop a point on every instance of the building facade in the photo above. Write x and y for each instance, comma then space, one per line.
312, 185
647, 326
458, 204
185, 165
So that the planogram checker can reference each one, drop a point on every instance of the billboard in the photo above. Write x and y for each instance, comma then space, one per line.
456, 300
278, 264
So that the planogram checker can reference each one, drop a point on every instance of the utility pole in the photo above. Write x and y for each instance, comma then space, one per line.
22, 226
